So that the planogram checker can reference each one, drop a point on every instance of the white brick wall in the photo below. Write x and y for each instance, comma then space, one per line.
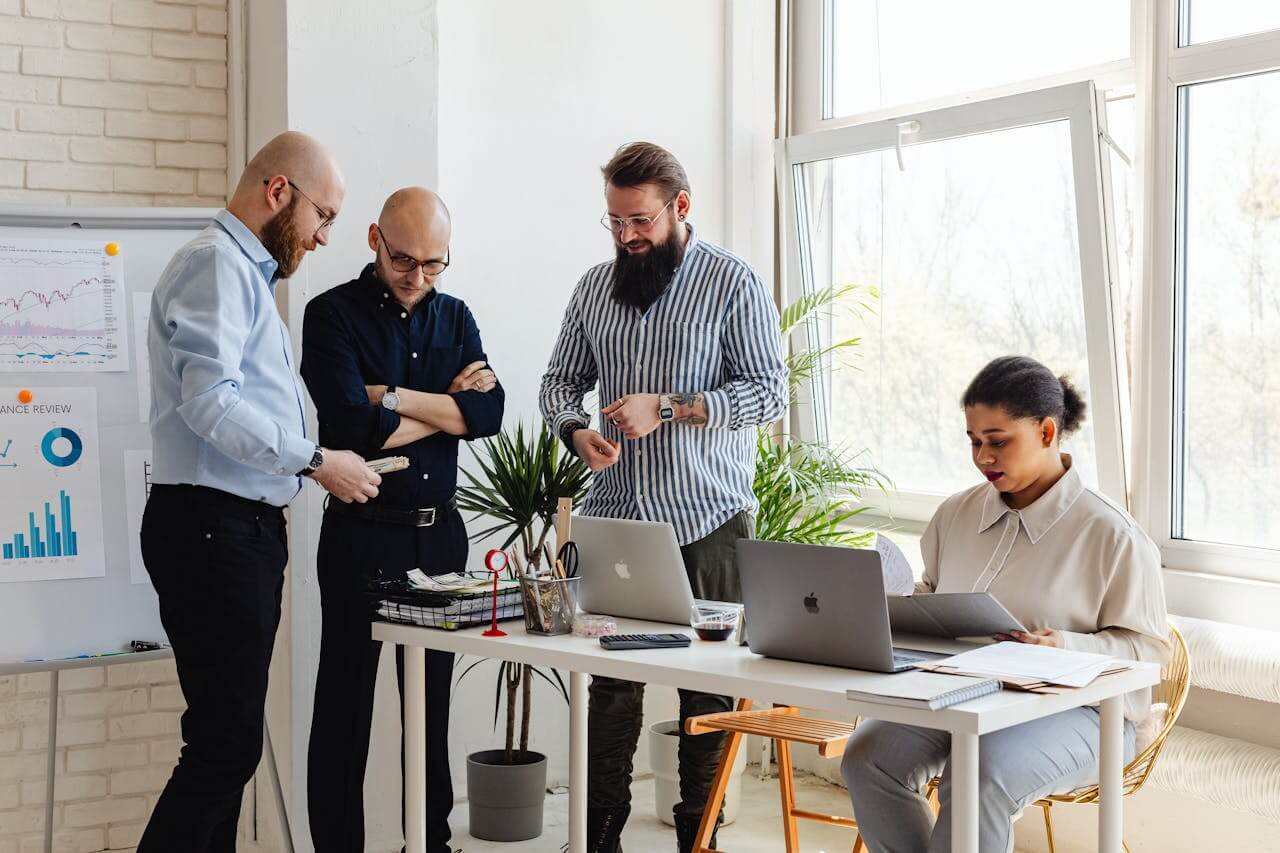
103, 102
113, 102
117, 743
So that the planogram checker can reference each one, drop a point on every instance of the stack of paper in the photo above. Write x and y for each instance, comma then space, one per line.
922, 689
1041, 669
453, 583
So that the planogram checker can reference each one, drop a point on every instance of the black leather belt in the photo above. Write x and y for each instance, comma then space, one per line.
421, 517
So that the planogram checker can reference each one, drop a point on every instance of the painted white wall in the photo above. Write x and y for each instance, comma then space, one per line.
363, 80
534, 98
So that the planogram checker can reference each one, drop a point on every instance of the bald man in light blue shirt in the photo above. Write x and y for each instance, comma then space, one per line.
230, 448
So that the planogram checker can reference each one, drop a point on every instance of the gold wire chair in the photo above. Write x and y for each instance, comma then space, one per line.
1175, 683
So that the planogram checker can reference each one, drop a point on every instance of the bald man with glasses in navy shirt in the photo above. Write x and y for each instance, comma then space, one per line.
395, 368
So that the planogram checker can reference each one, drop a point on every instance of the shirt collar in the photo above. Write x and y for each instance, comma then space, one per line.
689, 247
1042, 515
378, 291
249, 243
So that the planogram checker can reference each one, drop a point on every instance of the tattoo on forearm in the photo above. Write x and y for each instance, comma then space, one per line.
690, 408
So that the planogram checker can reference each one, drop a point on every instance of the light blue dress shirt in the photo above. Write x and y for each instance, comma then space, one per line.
226, 407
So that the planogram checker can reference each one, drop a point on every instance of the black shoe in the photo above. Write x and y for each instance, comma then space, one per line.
687, 831
604, 828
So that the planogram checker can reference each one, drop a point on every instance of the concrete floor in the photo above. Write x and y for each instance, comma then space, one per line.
757, 830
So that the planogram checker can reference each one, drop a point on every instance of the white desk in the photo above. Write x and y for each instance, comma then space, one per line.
733, 670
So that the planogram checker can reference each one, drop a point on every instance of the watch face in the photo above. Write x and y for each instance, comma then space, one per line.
391, 400
666, 414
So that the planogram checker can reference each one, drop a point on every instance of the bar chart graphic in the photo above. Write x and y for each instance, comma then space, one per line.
53, 536
51, 511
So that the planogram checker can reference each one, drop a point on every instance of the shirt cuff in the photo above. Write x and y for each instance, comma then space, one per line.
722, 408
1074, 641
565, 418
296, 455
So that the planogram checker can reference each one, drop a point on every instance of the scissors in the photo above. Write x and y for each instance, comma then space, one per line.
568, 557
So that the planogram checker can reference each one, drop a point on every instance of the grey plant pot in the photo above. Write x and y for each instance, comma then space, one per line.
505, 801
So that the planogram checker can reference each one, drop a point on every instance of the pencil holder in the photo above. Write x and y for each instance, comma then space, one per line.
549, 604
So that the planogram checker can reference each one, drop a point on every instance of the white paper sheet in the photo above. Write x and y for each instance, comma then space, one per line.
898, 577
62, 307
1023, 660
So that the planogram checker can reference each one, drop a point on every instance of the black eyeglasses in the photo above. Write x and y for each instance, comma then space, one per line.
401, 262
325, 219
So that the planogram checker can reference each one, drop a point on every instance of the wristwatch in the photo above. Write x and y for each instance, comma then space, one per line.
391, 400
317, 459
666, 408
566, 435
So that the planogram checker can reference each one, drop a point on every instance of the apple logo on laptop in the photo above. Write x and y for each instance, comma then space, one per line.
811, 603
622, 570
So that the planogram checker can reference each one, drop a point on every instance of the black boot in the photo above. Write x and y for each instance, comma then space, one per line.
687, 831
604, 828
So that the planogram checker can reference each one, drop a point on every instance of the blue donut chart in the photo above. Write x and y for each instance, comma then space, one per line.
51, 456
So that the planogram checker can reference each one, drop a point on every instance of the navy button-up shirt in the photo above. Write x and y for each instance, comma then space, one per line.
357, 334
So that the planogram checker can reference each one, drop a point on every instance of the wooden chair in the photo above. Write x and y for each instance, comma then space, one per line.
1175, 683
785, 726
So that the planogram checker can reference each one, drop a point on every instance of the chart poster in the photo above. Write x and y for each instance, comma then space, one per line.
51, 500
62, 306
141, 320
137, 488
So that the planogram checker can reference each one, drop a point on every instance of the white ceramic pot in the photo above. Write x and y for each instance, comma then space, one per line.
664, 751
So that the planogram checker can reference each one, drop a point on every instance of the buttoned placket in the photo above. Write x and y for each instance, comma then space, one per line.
1008, 536
641, 333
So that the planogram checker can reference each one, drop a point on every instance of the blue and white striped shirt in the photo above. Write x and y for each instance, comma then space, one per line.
714, 330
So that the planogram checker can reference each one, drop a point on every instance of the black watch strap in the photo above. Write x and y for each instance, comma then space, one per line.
566, 434
317, 459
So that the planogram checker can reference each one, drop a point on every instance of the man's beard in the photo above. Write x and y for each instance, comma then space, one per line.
638, 280
281, 240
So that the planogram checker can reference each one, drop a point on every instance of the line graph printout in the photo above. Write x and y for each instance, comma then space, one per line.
62, 306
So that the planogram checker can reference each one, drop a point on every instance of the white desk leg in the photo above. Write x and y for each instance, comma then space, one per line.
577, 762
415, 749
964, 793
1110, 782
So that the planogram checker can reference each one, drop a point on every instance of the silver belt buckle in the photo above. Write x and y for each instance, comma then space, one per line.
430, 523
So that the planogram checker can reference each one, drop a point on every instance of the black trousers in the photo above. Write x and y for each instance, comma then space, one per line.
616, 708
217, 563
352, 551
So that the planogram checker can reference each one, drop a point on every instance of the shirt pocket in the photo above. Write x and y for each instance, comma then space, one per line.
691, 361
443, 363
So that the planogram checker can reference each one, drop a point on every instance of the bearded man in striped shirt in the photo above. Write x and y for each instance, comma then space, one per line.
682, 338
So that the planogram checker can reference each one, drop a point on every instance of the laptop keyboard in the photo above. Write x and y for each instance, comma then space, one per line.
906, 657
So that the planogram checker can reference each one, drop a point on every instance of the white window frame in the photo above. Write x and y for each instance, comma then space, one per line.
1076, 104
1229, 583
1172, 67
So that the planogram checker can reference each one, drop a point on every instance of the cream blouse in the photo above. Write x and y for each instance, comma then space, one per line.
1072, 561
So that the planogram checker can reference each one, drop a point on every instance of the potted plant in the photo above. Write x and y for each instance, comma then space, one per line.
522, 477
807, 492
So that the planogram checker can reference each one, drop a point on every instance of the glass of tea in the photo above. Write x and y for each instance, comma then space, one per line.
714, 621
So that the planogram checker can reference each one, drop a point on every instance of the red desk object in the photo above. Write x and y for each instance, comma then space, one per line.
496, 562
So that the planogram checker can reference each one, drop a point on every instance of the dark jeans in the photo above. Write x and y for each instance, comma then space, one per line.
616, 707
351, 551
217, 563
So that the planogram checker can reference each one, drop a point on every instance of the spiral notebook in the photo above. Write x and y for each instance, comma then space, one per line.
924, 690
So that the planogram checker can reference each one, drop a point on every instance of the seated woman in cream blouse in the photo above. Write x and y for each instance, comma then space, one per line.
1068, 563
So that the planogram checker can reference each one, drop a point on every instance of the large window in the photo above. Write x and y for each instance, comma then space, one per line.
969, 221
1227, 357
891, 52
1129, 238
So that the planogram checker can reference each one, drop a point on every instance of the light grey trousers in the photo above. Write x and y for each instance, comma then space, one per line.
886, 767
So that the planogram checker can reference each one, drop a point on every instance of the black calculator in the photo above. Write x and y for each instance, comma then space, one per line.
615, 642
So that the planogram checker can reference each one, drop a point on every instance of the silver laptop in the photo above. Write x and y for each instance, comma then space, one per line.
819, 604
631, 569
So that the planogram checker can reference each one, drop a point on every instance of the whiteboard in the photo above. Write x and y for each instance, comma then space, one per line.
61, 618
